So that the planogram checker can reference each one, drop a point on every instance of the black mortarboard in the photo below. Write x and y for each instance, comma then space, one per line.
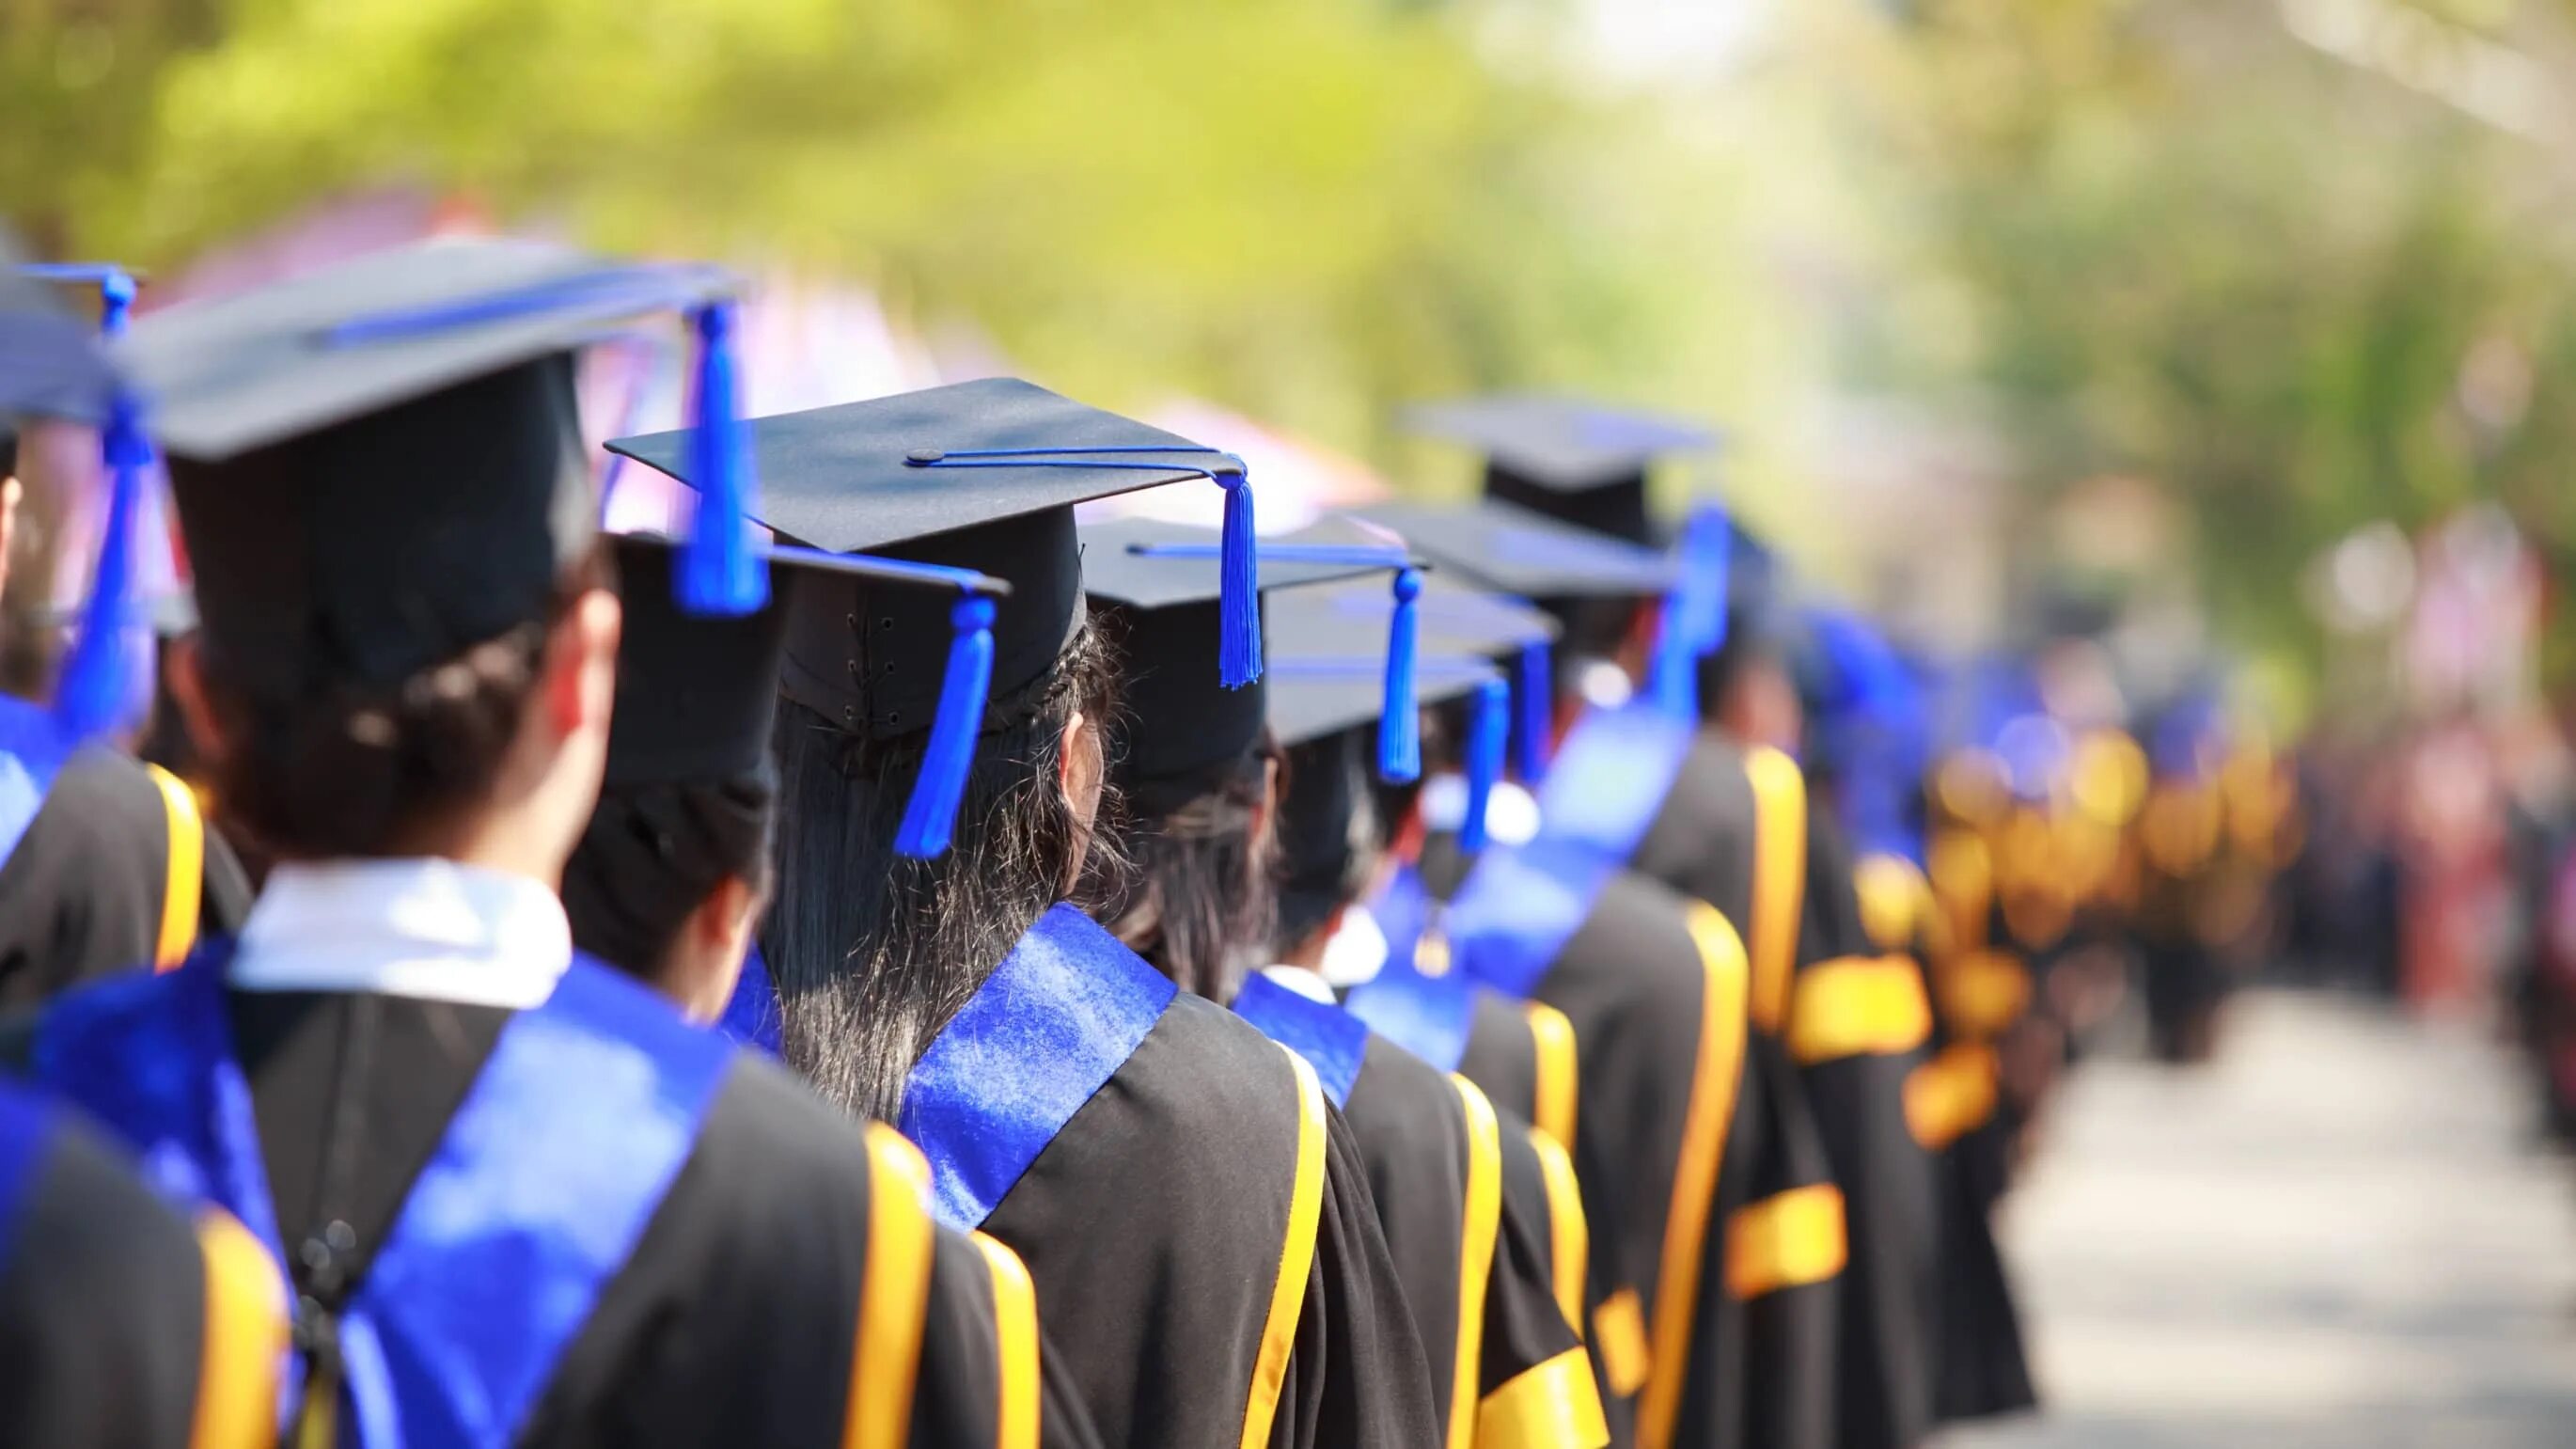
379, 465
978, 475
1320, 686
696, 692
1161, 581
50, 362
1568, 459
1511, 550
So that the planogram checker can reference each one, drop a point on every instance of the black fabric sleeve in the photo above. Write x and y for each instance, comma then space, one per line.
102, 1307
1358, 1376
81, 895
1525, 1331
958, 1389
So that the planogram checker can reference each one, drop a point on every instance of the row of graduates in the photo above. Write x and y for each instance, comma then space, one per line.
1241, 1059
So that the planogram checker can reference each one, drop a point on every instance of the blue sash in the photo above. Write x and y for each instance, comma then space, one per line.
1331, 1040
751, 1018
1610, 776
26, 1129
1426, 1015
534, 1199
1517, 908
1063, 1011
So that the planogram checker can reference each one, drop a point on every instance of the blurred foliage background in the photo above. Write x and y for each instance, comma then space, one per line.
2294, 264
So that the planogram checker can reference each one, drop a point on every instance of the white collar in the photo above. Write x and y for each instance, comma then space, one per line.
427, 928
1357, 951
1302, 981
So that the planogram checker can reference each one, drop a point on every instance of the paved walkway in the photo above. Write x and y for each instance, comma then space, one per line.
2335, 1237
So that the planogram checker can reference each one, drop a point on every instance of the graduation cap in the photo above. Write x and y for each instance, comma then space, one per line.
1162, 579
1575, 461
696, 692
1511, 550
981, 475
1319, 687
378, 465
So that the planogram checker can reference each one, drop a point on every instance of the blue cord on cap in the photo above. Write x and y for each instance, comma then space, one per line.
930, 815
1239, 571
102, 687
1399, 726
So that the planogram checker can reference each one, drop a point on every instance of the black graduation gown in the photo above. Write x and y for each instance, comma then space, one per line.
1444, 1165
1653, 986
737, 1317
120, 1324
1856, 1022
117, 870
1781, 1308
1950, 1101
1158, 1225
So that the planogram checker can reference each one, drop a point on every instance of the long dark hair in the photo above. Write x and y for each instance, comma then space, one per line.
653, 853
873, 953
1198, 894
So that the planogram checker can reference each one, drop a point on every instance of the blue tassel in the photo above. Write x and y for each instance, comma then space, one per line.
1485, 736
719, 573
1694, 623
1537, 713
1239, 580
1399, 727
931, 813
115, 301
97, 693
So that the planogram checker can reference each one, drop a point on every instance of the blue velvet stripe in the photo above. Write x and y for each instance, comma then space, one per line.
1517, 908
1330, 1039
1047, 1029
564, 1148
1426, 1015
1610, 775
26, 1130
751, 1018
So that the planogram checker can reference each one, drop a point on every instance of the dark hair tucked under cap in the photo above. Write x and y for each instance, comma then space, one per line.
1571, 460
378, 465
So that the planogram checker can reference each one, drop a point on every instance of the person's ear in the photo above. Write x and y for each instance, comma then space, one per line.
717, 938
1079, 766
1268, 807
188, 692
581, 664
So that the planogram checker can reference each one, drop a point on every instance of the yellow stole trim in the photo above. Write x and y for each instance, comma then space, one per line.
1296, 1258
1015, 1334
1482, 1223
895, 1297
1569, 1232
183, 880
1559, 1065
1779, 879
1716, 1076
1619, 1330
1786, 1241
1858, 1006
1553, 1405
1951, 1095
244, 1340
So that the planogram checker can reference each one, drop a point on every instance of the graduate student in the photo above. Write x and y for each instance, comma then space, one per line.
403, 688
668, 881
106, 863
1193, 1212
120, 1323
1719, 811
1459, 1187
1748, 1349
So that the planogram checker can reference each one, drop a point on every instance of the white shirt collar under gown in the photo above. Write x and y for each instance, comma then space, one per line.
426, 928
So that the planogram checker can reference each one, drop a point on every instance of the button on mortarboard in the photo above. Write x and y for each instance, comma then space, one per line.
1572, 460
1001, 463
379, 465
